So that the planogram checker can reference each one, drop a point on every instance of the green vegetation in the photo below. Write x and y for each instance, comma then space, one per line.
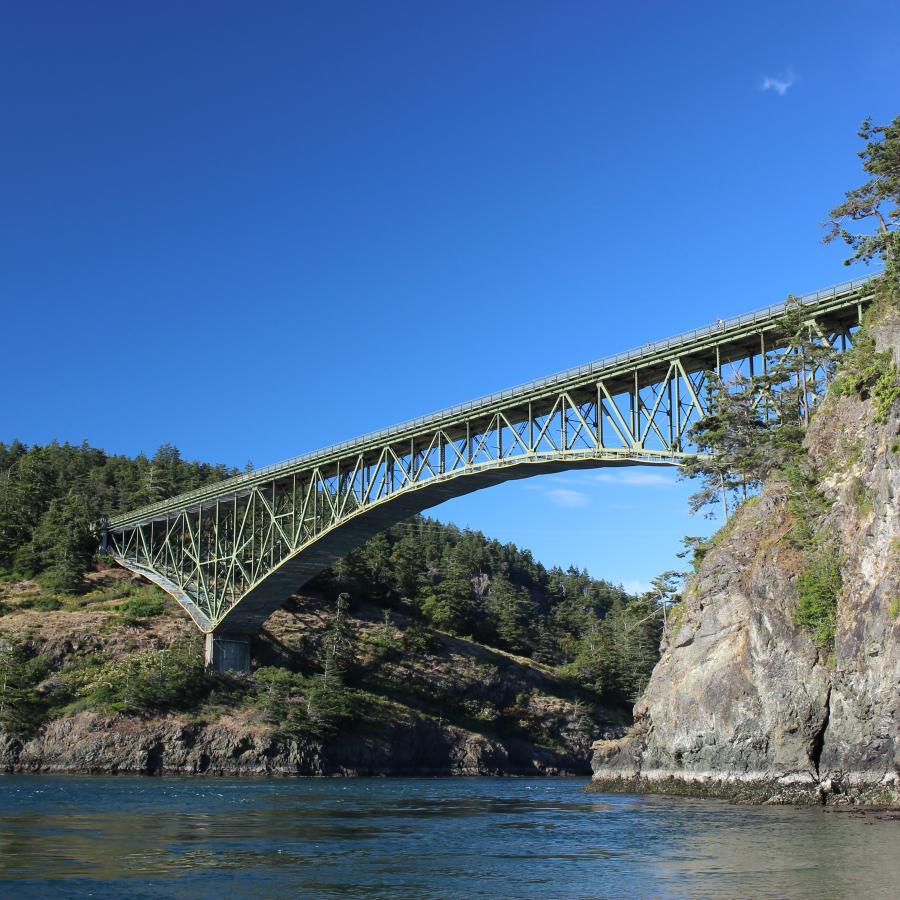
881, 161
497, 595
150, 680
817, 592
33, 688
21, 707
741, 444
52, 497
755, 426
298, 704
860, 497
866, 373
141, 603
456, 581
819, 584
591, 638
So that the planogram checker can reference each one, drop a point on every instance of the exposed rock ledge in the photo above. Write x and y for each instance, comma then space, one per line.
89, 742
743, 705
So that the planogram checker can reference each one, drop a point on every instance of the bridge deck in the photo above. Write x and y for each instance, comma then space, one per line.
699, 349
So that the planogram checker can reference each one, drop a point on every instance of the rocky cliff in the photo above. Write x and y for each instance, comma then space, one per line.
746, 704
240, 744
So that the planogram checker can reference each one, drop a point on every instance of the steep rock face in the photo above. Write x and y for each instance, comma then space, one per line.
742, 703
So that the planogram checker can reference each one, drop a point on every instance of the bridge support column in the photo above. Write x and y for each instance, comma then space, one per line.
228, 651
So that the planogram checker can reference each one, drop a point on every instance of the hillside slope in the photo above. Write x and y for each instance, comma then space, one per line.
419, 701
746, 703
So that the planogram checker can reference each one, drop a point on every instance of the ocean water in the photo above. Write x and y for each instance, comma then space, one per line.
137, 837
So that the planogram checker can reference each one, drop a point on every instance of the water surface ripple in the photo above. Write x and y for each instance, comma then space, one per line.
415, 837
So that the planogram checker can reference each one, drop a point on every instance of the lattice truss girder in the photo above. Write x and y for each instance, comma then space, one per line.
211, 555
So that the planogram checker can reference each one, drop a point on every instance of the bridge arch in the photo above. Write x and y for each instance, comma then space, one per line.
231, 553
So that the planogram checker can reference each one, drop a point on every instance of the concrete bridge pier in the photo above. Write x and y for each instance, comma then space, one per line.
228, 651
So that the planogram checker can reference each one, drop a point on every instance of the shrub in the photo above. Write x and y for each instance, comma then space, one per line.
172, 678
46, 603
859, 494
385, 643
41, 602
817, 592
868, 373
819, 585
302, 705
417, 638
141, 604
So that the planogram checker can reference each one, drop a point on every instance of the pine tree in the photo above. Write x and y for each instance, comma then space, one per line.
19, 701
881, 161
796, 379
339, 646
723, 440
64, 545
512, 613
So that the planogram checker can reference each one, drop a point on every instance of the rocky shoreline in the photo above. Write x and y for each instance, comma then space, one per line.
91, 743
853, 789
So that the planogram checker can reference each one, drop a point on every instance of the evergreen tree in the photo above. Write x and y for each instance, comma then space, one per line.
64, 544
728, 444
796, 379
339, 646
631, 632
881, 161
20, 673
406, 565
512, 612
51, 498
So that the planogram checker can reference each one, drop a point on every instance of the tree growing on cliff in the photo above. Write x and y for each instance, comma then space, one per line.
727, 441
21, 707
878, 201
755, 425
864, 371
339, 646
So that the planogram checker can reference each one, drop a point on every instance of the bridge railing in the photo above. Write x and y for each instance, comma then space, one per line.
649, 349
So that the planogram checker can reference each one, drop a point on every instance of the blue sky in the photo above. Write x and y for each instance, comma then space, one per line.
253, 229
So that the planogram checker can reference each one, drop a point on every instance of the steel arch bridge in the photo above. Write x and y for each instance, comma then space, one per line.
231, 553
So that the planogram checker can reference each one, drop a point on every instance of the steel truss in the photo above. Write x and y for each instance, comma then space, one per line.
233, 552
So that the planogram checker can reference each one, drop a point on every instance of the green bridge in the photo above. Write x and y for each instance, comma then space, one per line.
233, 552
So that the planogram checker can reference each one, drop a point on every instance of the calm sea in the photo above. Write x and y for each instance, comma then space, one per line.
416, 837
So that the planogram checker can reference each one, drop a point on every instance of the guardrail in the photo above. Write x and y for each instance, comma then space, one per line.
649, 349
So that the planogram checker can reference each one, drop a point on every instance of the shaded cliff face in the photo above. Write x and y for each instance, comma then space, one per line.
743, 703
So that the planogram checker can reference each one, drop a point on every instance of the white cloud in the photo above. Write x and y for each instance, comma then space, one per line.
780, 85
634, 478
635, 587
567, 497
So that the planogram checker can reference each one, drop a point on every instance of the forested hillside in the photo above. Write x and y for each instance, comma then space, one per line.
52, 497
425, 623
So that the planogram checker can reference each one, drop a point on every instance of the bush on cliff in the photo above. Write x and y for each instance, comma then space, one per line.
170, 678
142, 603
297, 704
21, 706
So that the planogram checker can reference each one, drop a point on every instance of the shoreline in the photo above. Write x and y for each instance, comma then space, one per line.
847, 791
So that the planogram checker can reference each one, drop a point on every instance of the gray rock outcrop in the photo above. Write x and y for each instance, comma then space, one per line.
94, 743
743, 704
